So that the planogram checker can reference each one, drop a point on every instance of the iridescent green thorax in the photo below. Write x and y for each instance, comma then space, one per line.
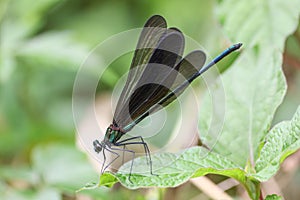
113, 134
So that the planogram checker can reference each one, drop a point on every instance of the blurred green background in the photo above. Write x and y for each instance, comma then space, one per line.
43, 43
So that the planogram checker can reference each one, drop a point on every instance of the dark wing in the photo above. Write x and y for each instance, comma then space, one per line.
187, 67
156, 80
150, 36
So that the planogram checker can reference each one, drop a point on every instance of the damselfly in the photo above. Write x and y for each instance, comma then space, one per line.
158, 75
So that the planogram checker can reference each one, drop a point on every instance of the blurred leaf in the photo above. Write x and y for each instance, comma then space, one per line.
43, 193
10, 39
19, 173
3, 7
21, 18
201, 25
280, 142
47, 194
16, 195
292, 45
27, 14
62, 166
53, 50
91, 22
38, 65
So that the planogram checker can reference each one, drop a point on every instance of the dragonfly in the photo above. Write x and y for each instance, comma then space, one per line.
158, 75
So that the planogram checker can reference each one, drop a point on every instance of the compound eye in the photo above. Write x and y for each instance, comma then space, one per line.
97, 146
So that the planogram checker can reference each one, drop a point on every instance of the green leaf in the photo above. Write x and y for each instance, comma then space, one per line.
273, 197
108, 180
171, 170
281, 141
266, 23
248, 94
253, 89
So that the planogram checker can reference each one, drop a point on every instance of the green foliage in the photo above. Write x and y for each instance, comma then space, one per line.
255, 85
273, 197
42, 45
54, 169
280, 142
254, 88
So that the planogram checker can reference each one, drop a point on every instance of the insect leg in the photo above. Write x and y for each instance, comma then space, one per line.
127, 150
146, 148
117, 156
